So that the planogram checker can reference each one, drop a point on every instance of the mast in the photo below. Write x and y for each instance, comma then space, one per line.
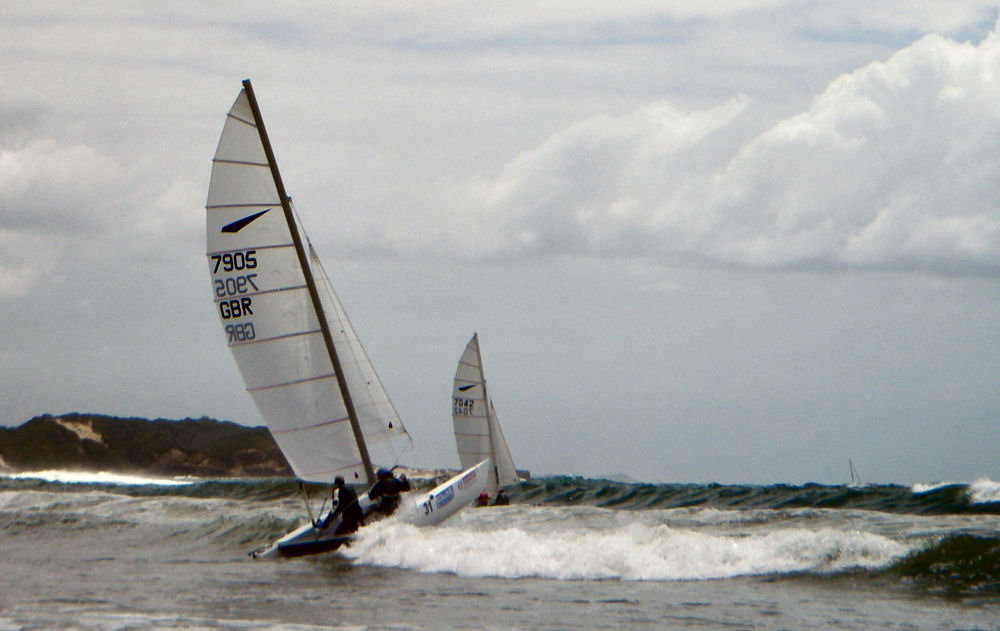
489, 414
310, 284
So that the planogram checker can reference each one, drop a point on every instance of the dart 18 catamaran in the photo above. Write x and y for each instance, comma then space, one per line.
477, 430
299, 356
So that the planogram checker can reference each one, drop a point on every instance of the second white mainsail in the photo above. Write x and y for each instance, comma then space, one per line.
477, 430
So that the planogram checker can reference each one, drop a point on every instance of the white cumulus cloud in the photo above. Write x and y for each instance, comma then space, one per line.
896, 164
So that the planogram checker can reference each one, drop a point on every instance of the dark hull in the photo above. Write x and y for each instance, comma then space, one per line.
318, 546
304, 541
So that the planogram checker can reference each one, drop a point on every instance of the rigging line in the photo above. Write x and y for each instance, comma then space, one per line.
309, 510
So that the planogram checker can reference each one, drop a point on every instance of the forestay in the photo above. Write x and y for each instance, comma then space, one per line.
477, 430
272, 326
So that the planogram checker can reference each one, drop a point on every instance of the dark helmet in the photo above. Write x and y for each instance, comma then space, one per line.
383, 473
338, 481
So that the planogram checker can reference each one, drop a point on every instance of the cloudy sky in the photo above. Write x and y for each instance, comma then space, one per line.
721, 241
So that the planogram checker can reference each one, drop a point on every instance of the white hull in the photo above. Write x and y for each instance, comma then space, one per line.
443, 501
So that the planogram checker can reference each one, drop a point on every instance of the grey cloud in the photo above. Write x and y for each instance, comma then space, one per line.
49, 187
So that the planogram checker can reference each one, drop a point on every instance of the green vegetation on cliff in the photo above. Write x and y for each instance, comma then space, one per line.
199, 447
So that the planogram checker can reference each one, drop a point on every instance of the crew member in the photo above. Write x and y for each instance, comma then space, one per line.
347, 507
387, 491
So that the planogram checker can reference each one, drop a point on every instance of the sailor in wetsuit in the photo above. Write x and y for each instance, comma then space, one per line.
347, 506
502, 499
387, 491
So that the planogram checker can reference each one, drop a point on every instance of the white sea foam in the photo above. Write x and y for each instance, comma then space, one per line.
95, 477
984, 491
597, 547
920, 488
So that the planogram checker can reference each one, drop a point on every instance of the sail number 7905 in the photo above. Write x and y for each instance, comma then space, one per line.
237, 305
234, 261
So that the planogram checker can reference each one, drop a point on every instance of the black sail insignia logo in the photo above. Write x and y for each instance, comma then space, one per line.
464, 388
240, 224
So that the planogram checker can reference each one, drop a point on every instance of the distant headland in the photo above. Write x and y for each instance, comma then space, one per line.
196, 447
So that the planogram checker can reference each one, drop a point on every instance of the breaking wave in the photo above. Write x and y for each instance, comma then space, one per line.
982, 496
941, 537
591, 546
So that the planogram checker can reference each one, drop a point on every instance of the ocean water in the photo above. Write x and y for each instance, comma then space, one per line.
86, 551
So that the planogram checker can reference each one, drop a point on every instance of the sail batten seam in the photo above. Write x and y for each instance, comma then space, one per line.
294, 382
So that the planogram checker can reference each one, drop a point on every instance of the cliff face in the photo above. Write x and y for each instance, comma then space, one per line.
198, 447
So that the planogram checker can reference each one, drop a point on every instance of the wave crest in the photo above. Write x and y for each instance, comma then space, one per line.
538, 543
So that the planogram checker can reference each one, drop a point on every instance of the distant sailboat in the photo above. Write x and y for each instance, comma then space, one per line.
299, 356
855, 478
477, 429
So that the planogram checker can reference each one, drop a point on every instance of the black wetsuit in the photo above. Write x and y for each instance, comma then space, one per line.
348, 507
387, 492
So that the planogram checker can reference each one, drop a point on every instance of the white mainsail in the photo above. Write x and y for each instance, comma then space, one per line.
477, 430
272, 323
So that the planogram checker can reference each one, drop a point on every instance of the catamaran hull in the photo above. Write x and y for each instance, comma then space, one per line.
427, 509
303, 541
446, 499
306, 548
